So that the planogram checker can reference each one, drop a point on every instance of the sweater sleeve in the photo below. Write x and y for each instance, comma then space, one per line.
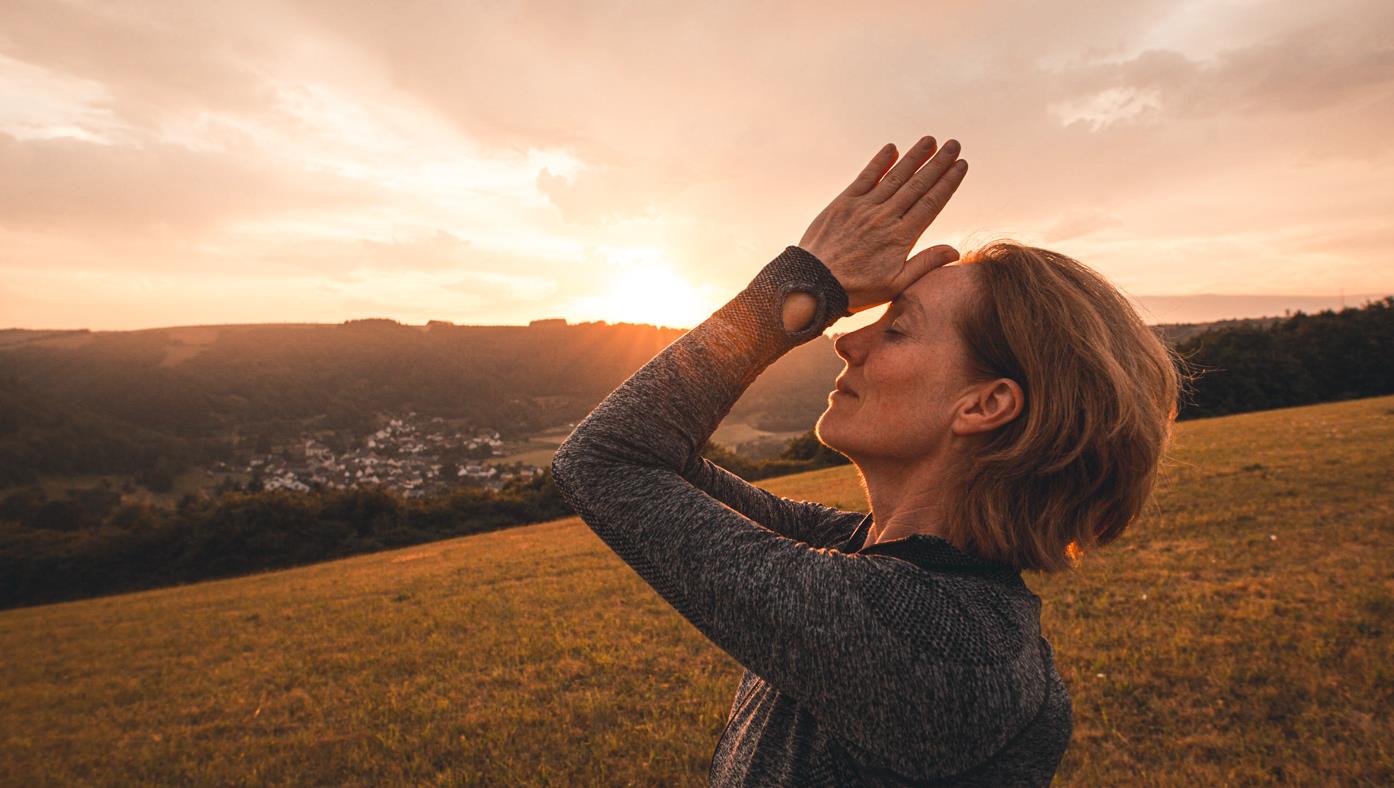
900, 664
807, 521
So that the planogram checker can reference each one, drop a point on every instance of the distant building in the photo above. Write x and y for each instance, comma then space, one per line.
550, 322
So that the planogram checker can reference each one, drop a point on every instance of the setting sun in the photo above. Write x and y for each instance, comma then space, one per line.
651, 293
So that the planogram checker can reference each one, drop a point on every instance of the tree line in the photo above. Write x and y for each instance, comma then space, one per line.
89, 543
127, 402
1301, 360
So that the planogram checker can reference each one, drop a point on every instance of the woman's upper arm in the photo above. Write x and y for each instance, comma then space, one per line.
807, 521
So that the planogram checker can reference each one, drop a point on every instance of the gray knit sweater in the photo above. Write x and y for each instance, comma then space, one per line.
906, 662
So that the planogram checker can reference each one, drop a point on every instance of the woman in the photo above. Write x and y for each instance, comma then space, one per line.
1007, 412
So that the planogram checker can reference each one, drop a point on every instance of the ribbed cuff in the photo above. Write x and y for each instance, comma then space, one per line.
812, 273
759, 308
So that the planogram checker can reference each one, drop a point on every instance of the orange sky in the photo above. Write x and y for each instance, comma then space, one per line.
182, 163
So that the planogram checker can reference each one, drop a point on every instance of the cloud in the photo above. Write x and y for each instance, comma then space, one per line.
1303, 72
1078, 223
598, 195
82, 188
455, 262
495, 286
155, 58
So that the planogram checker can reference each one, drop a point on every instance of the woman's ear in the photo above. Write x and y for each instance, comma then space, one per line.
988, 407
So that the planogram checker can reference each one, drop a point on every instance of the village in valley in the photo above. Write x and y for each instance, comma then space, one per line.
413, 455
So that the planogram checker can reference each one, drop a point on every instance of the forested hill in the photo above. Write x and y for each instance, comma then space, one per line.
202, 380
107, 401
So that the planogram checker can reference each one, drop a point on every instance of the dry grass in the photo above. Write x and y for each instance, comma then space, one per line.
1243, 631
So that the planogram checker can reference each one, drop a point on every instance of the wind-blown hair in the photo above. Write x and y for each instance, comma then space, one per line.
1079, 462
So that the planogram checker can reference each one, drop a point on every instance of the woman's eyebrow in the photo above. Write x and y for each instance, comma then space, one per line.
902, 299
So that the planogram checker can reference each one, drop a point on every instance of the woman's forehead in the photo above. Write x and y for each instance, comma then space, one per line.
939, 286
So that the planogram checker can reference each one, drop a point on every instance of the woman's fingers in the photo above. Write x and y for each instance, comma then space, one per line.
924, 180
864, 234
928, 206
902, 172
872, 172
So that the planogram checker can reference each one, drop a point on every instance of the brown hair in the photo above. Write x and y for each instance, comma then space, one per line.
1076, 466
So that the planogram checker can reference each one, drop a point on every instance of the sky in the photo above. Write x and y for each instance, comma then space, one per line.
498, 162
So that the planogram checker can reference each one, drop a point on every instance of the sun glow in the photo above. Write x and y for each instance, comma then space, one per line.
650, 293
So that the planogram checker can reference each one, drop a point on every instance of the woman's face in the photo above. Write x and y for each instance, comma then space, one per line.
906, 373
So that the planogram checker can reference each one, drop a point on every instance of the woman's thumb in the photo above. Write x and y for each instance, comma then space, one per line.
931, 258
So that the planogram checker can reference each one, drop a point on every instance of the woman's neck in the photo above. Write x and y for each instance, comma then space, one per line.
905, 499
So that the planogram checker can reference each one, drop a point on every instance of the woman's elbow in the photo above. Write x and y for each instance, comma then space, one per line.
584, 467
563, 460
575, 465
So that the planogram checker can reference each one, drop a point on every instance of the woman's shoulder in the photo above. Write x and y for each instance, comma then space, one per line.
962, 653
950, 615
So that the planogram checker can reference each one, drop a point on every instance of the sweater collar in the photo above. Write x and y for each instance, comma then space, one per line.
927, 551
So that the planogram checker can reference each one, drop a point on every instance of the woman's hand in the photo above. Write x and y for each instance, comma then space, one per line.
864, 235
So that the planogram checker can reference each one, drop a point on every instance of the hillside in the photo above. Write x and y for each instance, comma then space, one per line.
217, 380
79, 402
1240, 633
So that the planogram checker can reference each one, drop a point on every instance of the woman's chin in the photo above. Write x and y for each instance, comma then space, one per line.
825, 432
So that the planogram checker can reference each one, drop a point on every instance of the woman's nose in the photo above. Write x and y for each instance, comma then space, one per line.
851, 347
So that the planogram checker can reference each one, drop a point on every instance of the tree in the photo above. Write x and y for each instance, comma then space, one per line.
729, 460
158, 478
62, 515
20, 505
808, 447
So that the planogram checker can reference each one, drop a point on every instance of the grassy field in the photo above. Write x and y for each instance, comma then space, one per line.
1242, 633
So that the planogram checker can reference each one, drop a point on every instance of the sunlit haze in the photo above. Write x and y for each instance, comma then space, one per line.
495, 163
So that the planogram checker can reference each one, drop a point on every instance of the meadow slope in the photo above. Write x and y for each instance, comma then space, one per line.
1242, 632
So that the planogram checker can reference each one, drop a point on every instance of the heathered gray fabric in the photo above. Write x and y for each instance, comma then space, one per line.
908, 661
